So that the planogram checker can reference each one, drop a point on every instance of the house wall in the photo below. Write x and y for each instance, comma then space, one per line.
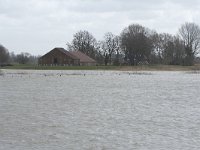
56, 57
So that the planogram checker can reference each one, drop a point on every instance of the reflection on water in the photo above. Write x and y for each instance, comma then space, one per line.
99, 110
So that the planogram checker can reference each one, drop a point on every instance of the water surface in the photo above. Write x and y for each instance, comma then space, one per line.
99, 110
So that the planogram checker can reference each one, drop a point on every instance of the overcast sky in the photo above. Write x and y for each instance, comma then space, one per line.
37, 26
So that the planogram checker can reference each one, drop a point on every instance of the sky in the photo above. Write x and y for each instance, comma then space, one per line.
37, 26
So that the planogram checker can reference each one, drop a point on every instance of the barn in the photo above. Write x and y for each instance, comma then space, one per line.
62, 57
84, 59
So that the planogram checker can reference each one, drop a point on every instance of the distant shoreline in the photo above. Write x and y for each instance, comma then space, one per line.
112, 68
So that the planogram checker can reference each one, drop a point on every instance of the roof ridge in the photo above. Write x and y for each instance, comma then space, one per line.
83, 57
66, 52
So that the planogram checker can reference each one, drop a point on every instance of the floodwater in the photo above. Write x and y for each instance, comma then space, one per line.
99, 110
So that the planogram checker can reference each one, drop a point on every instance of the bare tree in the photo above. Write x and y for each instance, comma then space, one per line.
168, 49
4, 55
118, 52
179, 51
85, 42
190, 34
23, 58
160, 42
136, 44
110, 46
174, 51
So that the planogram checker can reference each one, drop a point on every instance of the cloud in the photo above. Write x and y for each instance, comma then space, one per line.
36, 26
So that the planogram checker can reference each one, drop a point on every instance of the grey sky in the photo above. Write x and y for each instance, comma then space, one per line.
37, 26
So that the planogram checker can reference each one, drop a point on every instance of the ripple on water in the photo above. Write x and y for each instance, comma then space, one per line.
99, 110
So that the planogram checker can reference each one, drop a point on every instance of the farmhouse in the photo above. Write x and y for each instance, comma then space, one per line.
60, 56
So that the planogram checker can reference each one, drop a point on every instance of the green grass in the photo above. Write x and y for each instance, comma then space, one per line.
162, 68
123, 68
36, 67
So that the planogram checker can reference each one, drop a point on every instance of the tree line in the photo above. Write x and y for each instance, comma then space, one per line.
134, 46
140, 45
7, 58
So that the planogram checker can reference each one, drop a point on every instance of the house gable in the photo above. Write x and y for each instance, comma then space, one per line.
58, 56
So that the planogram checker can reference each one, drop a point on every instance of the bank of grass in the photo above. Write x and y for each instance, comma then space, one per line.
121, 68
162, 68
36, 67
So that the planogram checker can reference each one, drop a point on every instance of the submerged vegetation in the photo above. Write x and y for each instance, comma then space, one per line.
1, 73
121, 68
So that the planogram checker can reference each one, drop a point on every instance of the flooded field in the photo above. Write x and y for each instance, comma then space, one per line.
99, 110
